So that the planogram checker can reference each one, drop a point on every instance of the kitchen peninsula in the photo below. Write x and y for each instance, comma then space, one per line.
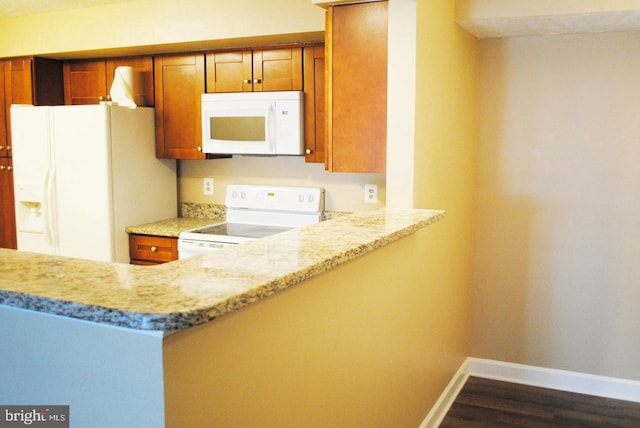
226, 339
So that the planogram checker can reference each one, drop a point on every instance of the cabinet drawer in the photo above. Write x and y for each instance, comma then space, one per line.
153, 248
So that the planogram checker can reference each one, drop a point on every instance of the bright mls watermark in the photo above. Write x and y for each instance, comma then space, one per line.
34, 416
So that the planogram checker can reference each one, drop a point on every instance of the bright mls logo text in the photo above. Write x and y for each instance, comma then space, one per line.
37, 416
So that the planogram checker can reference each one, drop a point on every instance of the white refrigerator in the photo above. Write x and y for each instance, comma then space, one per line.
82, 174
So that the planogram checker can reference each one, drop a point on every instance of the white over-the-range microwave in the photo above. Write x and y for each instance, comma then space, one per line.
253, 123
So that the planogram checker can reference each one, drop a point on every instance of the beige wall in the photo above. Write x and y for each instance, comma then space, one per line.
156, 22
363, 345
444, 163
556, 258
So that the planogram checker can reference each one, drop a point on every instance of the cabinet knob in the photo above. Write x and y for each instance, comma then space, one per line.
154, 249
2, 167
246, 81
1, 147
199, 149
308, 151
8, 148
257, 81
9, 168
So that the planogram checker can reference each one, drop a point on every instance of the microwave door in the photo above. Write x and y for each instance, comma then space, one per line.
238, 131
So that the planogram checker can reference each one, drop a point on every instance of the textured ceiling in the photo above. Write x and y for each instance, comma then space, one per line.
553, 24
14, 8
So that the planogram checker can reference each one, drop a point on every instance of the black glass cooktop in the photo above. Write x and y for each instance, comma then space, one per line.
241, 230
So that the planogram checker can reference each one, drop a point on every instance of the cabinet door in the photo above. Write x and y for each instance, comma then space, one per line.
7, 210
356, 60
142, 76
229, 71
315, 137
18, 81
179, 84
277, 69
85, 82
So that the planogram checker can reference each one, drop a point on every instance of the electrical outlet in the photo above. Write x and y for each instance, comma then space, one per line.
370, 194
207, 186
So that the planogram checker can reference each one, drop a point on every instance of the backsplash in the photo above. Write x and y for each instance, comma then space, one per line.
198, 210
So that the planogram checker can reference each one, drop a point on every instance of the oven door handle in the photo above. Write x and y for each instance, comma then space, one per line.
188, 248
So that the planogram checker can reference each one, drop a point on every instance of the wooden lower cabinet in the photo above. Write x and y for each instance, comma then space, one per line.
7, 210
152, 250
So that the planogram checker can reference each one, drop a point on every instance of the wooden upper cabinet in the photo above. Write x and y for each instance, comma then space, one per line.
89, 81
277, 69
255, 70
18, 81
179, 85
142, 77
85, 82
356, 73
315, 137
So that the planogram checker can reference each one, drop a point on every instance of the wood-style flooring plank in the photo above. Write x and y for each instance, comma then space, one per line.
492, 403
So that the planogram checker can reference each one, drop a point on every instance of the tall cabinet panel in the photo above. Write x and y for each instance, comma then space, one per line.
356, 72
315, 137
7, 210
4, 114
7, 214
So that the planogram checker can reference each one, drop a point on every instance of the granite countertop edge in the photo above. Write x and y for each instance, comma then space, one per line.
186, 293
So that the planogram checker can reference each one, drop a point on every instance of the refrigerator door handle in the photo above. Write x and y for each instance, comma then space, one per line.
49, 223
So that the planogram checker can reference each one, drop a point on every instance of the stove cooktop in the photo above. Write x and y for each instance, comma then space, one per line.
239, 229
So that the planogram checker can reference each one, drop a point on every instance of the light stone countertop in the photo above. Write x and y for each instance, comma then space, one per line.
171, 227
189, 292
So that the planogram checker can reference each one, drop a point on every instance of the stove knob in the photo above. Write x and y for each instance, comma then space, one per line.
311, 198
243, 195
300, 198
234, 194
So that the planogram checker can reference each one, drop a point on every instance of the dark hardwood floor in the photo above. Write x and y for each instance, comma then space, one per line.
491, 403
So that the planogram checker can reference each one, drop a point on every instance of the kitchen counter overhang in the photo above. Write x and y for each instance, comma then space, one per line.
190, 292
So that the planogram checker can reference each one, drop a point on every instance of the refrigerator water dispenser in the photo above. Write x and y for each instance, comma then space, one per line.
29, 207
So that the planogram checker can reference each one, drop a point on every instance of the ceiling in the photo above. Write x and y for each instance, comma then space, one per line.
14, 8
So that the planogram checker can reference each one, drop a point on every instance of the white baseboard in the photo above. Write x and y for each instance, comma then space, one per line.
448, 396
582, 383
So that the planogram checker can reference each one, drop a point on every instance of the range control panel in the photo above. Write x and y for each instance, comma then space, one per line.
275, 198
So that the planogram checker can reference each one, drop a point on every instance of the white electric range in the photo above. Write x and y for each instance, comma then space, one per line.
255, 212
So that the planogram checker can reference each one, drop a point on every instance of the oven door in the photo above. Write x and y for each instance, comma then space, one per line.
192, 247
